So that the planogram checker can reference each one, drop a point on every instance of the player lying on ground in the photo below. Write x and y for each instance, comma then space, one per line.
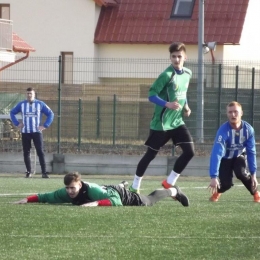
87, 194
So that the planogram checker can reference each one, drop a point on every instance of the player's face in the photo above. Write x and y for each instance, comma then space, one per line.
30, 95
234, 115
177, 59
73, 189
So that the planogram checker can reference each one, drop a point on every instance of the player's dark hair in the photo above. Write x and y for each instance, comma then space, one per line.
177, 46
234, 103
30, 89
72, 177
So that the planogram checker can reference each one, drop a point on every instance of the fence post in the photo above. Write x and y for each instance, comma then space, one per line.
79, 125
114, 120
253, 95
236, 94
59, 102
98, 117
219, 92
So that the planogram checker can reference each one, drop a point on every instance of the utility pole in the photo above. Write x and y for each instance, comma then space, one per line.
200, 87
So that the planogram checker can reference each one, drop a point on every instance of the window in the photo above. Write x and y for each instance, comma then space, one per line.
67, 68
5, 11
182, 8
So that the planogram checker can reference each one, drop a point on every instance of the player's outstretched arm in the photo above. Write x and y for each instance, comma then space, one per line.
23, 201
90, 204
104, 202
29, 199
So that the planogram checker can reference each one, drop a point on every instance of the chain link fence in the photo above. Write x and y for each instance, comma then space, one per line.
104, 107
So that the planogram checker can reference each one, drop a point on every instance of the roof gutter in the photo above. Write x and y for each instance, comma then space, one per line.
15, 62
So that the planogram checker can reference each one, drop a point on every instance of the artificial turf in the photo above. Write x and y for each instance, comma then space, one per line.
228, 229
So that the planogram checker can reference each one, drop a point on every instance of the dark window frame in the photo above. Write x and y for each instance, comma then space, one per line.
5, 5
179, 16
67, 76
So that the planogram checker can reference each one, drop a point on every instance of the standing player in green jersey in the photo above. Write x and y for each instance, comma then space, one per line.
168, 93
88, 194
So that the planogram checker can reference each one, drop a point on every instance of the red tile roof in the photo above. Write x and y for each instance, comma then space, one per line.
148, 22
19, 45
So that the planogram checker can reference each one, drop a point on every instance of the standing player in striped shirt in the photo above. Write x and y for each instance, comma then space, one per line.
31, 110
233, 149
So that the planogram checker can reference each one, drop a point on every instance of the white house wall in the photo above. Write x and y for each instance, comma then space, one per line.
250, 38
54, 26
149, 51
142, 53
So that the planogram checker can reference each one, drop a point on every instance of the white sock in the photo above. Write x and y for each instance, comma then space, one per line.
137, 182
173, 191
172, 178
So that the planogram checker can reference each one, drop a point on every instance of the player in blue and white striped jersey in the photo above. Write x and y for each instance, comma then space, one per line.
31, 110
233, 149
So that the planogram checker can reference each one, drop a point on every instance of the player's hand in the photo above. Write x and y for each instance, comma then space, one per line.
173, 105
41, 128
254, 182
187, 112
21, 125
23, 201
90, 204
214, 185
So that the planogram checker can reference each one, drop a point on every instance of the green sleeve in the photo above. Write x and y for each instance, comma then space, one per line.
159, 84
96, 192
58, 196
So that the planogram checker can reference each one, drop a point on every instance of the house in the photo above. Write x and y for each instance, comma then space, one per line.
116, 41
134, 29
10, 49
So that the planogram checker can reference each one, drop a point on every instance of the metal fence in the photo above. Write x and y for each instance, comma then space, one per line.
104, 107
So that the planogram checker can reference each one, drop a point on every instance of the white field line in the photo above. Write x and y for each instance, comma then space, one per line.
18, 194
148, 237
27, 194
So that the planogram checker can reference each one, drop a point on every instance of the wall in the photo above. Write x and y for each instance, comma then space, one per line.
250, 38
148, 51
56, 26
52, 26
105, 164
109, 164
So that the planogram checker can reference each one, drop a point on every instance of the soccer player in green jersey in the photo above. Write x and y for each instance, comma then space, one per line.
88, 194
168, 93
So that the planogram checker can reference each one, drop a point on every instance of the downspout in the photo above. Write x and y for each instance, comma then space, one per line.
212, 69
15, 62
212, 57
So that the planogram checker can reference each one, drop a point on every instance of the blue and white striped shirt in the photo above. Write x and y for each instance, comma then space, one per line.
230, 143
32, 115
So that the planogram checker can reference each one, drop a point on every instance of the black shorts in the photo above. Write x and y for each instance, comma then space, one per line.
128, 198
158, 139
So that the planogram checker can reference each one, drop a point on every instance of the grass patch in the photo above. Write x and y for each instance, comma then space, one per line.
224, 230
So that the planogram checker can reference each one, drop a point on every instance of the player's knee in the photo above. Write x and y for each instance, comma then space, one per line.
40, 153
188, 150
242, 175
151, 154
26, 153
189, 153
226, 186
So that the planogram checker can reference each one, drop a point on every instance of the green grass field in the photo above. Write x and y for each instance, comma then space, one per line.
228, 229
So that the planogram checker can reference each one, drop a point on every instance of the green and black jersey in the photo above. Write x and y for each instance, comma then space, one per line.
170, 87
90, 192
